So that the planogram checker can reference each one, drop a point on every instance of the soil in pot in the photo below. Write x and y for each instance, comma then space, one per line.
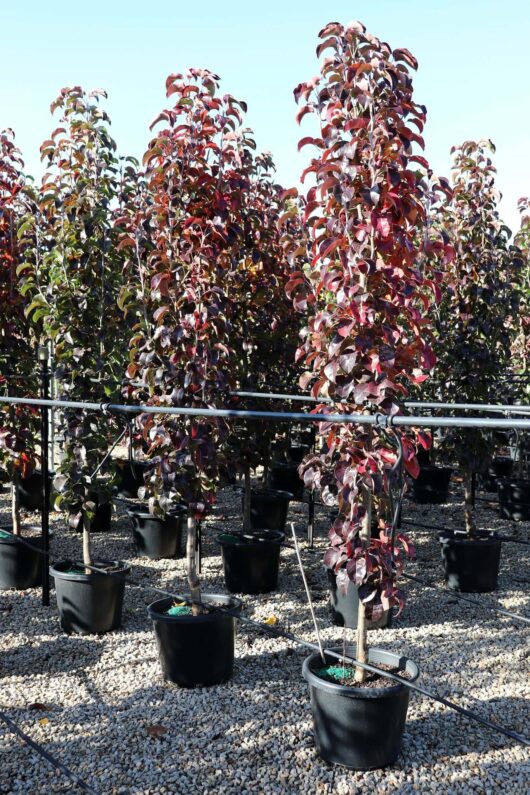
514, 499
284, 477
158, 537
196, 651
268, 508
359, 727
500, 467
30, 491
251, 561
20, 562
130, 477
470, 565
432, 485
89, 603
345, 606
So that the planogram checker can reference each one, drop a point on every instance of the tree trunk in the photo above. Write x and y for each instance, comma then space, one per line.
469, 513
87, 552
15, 505
193, 579
246, 500
362, 633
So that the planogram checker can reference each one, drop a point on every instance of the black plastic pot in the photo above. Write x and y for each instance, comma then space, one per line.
285, 477
500, 467
514, 499
196, 651
102, 517
89, 603
268, 508
471, 565
360, 728
432, 485
30, 491
297, 452
251, 562
20, 562
158, 538
345, 606
130, 477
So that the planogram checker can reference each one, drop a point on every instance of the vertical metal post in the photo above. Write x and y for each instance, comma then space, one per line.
45, 469
473, 487
311, 519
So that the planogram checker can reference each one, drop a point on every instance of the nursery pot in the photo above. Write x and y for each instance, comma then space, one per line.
158, 537
196, 651
359, 727
284, 477
432, 485
268, 508
514, 499
297, 452
89, 603
130, 477
471, 565
251, 561
30, 491
500, 467
100, 522
345, 606
20, 562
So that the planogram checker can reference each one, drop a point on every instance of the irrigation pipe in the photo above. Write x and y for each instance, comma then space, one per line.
379, 420
329, 652
423, 525
47, 756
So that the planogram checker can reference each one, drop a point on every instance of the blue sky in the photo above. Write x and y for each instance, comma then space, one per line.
474, 72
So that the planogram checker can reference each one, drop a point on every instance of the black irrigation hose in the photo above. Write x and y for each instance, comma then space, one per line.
47, 756
469, 599
366, 666
508, 539
313, 647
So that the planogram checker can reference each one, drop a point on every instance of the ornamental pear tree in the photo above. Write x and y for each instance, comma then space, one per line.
196, 179
18, 424
521, 344
476, 318
72, 277
359, 275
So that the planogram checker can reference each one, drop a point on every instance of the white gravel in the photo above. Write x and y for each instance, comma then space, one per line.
254, 734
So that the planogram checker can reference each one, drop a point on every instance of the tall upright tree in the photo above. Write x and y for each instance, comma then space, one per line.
365, 293
72, 275
475, 323
17, 346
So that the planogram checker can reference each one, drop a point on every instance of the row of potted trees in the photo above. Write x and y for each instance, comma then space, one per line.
188, 257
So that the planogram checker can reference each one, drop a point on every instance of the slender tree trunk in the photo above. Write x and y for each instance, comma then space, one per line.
246, 500
87, 551
193, 579
362, 627
15, 505
469, 513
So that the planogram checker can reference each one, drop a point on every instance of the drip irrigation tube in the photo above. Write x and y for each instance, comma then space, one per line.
457, 595
313, 647
507, 539
46, 755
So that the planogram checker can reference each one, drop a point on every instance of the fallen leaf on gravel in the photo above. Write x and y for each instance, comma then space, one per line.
44, 721
155, 730
37, 705
271, 621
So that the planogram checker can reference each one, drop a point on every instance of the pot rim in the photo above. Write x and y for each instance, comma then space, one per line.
55, 570
232, 603
453, 537
277, 540
350, 691
272, 493
178, 510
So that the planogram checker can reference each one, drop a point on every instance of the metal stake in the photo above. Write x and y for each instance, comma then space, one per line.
308, 592
45, 469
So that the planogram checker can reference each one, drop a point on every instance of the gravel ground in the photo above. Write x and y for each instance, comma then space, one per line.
100, 697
